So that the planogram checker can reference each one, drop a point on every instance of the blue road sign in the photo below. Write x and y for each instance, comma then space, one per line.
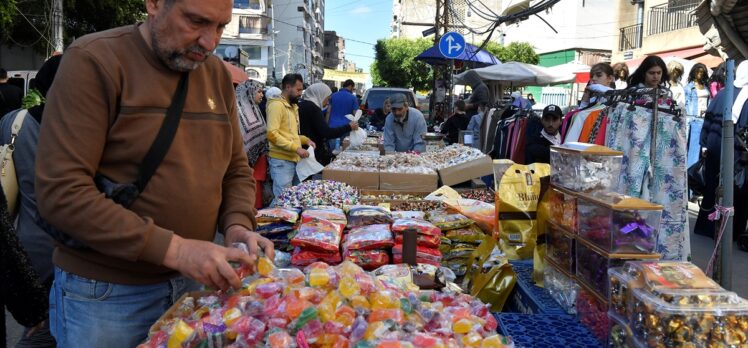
451, 45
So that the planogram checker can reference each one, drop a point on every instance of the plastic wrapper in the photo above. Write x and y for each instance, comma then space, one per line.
277, 215
368, 259
275, 229
328, 213
398, 258
363, 215
563, 209
368, 238
471, 234
318, 192
585, 167
421, 252
330, 306
306, 257
482, 213
452, 155
447, 221
562, 288
560, 248
592, 312
682, 325
402, 214
618, 223
460, 251
422, 240
621, 335
445, 244
319, 235
493, 283
518, 192
421, 226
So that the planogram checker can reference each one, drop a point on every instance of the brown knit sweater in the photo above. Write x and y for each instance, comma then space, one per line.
103, 111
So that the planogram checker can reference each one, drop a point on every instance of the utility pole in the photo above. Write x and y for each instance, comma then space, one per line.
57, 33
273, 32
442, 72
289, 57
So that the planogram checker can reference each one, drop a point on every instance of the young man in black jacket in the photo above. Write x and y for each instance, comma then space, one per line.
453, 125
538, 148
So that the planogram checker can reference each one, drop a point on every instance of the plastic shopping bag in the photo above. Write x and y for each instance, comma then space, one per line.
308, 166
357, 137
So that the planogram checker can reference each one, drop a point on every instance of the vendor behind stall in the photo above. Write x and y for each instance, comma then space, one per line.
403, 127
538, 149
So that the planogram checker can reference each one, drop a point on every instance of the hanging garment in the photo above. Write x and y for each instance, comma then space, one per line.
694, 131
518, 155
575, 131
589, 124
657, 176
567, 123
602, 132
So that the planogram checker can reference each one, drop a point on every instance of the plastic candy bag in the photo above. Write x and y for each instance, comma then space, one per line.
422, 226
471, 234
408, 215
363, 215
398, 258
368, 259
421, 252
481, 212
368, 238
274, 229
328, 213
307, 257
319, 235
277, 215
446, 221
423, 240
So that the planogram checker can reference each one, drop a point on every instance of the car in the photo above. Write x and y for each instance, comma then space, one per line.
24, 79
374, 98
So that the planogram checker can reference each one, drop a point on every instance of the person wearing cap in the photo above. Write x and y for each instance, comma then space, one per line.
403, 127
538, 148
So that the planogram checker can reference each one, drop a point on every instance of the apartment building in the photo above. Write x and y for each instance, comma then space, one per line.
299, 36
246, 41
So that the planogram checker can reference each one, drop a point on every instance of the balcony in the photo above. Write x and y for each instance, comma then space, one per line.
252, 25
674, 15
630, 38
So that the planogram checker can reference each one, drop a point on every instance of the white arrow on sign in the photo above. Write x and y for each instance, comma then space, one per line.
450, 40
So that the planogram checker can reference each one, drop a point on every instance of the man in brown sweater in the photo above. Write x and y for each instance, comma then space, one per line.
103, 112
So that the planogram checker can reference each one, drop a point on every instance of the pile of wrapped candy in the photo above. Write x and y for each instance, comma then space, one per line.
674, 304
369, 239
483, 195
461, 237
356, 162
585, 168
405, 163
277, 225
452, 155
317, 192
326, 306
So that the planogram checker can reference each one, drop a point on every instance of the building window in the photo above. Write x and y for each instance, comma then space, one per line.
252, 25
253, 74
253, 52
247, 4
630, 37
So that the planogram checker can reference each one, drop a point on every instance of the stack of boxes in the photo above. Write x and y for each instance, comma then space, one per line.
592, 229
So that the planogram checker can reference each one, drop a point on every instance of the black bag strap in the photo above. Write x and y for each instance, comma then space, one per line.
165, 136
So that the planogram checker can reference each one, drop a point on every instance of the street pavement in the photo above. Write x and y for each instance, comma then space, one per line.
701, 251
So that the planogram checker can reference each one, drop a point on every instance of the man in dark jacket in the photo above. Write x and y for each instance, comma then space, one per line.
10, 95
538, 148
458, 122
479, 97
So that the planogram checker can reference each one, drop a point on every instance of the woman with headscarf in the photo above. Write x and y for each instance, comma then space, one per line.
254, 132
313, 123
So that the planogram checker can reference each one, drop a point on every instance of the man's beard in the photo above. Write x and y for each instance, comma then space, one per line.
293, 100
176, 59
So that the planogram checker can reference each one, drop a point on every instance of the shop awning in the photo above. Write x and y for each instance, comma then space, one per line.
694, 53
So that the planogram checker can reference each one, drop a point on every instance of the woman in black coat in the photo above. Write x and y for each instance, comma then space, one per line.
313, 123
21, 292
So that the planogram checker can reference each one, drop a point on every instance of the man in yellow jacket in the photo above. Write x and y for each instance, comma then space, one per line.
283, 134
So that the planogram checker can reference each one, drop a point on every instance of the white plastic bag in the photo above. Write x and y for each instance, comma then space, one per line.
357, 137
308, 166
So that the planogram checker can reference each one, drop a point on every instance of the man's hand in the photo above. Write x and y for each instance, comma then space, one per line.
254, 242
302, 153
354, 125
312, 144
205, 262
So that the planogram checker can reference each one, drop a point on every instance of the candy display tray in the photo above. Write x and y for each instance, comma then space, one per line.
545, 330
526, 297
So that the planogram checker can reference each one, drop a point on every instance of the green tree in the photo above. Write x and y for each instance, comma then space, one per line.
522, 52
21, 21
395, 64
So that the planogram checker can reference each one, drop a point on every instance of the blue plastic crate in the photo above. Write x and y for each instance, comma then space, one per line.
528, 298
545, 330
